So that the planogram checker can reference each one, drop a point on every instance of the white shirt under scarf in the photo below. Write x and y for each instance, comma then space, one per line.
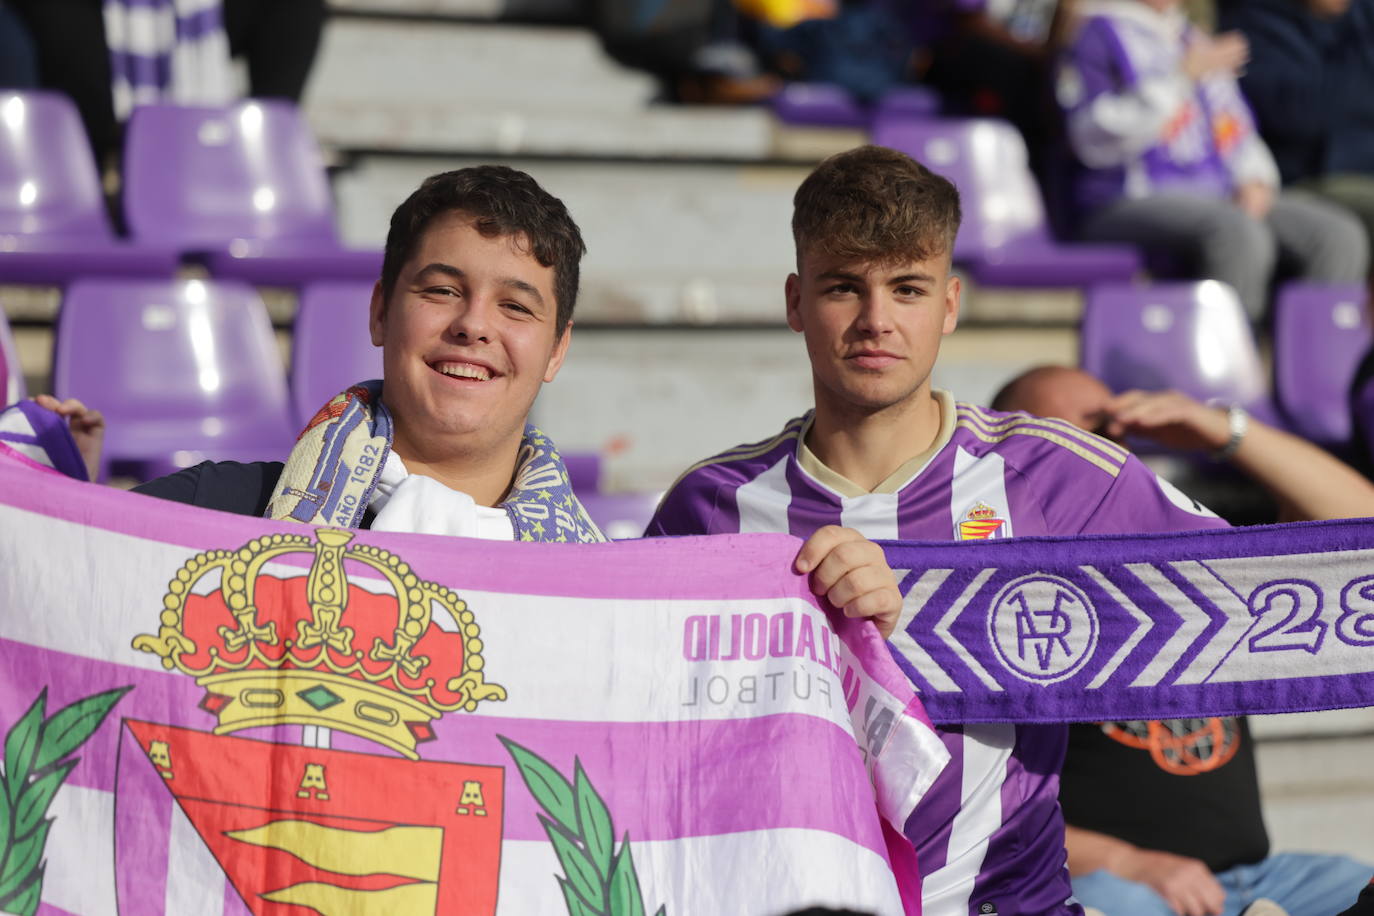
418, 504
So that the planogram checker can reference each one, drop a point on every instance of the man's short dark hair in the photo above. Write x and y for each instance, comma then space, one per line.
504, 202
875, 205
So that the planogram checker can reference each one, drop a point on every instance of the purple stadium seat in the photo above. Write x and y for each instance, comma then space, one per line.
621, 515
183, 370
52, 211
1005, 239
241, 187
1320, 335
1193, 337
11, 376
828, 105
330, 347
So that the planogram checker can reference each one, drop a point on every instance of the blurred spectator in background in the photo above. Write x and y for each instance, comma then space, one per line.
694, 47
110, 55
1309, 82
1165, 818
991, 58
18, 64
861, 46
1305, 480
1172, 160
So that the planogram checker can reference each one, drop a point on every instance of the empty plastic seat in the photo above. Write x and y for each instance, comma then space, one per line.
241, 188
621, 515
183, 370
828, 105
1320, 335
331, 347
1193, 337
1005, 239
53, 224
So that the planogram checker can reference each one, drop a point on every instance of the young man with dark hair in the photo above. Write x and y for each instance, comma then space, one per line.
474, 314
885, 453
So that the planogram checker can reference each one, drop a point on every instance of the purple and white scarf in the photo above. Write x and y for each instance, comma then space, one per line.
167, 51
1269, 619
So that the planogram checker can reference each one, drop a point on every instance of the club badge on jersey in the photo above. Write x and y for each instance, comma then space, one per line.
980, 523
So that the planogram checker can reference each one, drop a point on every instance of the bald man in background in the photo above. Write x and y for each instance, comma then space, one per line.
1165, 817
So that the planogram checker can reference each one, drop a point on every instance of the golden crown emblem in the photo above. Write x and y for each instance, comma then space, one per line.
981, 511
380, 658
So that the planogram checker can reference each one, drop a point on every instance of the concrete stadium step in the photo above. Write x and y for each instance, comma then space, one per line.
1319, 794
464, 9
542, 10
666, 243
456, 87
657, 400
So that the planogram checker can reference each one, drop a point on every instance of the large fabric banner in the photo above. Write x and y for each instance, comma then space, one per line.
205, 714
1255, 620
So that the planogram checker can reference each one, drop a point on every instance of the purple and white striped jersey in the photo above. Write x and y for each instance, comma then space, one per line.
989, 834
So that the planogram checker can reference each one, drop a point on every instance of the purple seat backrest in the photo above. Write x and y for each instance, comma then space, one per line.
987, 161
1193, 337
834, 106
11, 377
819, 103
196, 359
1320, 335
621, 515
48, 181
331, 346
201, 177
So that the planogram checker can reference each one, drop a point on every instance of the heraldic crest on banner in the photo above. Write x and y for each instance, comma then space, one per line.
321, 650
373, 652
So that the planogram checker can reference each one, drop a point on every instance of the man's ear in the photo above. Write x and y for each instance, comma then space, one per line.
560, 352
953, 290
793, 293
376, 315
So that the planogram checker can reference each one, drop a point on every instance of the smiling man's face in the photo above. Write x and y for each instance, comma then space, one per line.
872, 330
468, 335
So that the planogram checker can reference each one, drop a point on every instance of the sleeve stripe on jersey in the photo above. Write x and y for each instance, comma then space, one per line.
745, 452
1110, 450
994, 425
1054, 436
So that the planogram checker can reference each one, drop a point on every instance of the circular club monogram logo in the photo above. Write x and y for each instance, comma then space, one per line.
1043, 628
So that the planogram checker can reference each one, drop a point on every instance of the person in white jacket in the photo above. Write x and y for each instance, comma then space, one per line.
1172, 161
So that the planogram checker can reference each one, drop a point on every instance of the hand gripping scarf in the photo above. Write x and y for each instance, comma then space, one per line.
334, 467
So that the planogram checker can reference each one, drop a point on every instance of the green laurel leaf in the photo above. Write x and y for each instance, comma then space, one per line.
37, 795
576, 865
6, 822
625, 896
24, 901
20, 744
547, 785
576, 905
69, 727
24, 857
593, 822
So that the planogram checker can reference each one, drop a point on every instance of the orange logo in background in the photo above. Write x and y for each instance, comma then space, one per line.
1183, 747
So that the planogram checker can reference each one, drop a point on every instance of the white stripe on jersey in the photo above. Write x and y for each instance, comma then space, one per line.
979, 480
873, 514
763, 501
986, 749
